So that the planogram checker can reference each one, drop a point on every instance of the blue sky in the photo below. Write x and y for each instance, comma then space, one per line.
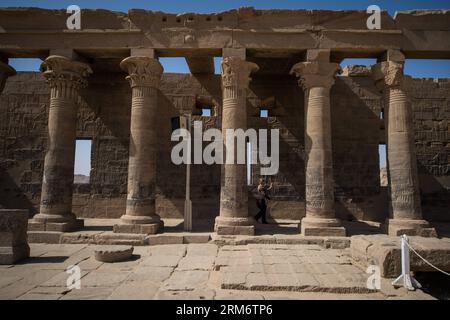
415, 68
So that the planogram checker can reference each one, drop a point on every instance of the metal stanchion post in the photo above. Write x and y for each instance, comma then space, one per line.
405, 279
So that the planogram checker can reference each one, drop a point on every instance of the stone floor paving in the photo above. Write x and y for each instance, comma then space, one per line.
194, 271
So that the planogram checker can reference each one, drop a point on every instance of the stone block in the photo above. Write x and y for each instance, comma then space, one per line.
336, 243
202, 250
196, 238
234, 52
384, 251
398, 227
35, 226
165, 239
318, 55
137, 228
44, 236
66, 226
323, 231
76, 224
196, 263
186, 280
13, 236
235, 230
161, 261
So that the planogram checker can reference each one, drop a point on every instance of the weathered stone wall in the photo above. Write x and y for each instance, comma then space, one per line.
104, 117
431, 107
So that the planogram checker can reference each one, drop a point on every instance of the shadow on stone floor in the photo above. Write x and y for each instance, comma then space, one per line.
276, 228
354, 228
97, 228
435, 284
53, 259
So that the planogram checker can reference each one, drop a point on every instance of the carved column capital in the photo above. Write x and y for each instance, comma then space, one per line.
236, 72
315, 73
142, 71
388, 74
61, 71
5, 72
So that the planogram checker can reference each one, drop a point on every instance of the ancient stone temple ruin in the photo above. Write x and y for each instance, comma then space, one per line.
104, 83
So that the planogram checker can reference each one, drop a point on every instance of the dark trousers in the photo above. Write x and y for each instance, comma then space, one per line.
262, 210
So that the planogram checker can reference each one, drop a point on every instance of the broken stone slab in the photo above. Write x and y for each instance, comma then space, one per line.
13, 235
384, 251
113, 253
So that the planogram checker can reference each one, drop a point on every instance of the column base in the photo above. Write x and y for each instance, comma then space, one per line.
234, 226
322, 227
10, 255
48, 222
139, 224
397, 227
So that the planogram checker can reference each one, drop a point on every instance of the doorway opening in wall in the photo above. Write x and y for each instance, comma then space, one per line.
82, 168
383, 166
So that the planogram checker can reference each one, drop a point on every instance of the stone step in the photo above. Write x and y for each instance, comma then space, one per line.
325, 242
110, 238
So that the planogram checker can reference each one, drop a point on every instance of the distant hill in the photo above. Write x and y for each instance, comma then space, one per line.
80, 178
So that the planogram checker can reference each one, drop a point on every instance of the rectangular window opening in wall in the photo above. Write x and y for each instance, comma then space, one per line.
263, 113
206, 112
217, 62
383, 165
25, 64
82, 168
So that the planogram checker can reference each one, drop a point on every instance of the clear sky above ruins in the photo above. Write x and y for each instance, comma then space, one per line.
415, 68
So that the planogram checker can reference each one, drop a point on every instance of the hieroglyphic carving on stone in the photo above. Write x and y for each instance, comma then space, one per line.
65, 77
142, 71
236, 76
403, 176
235, 80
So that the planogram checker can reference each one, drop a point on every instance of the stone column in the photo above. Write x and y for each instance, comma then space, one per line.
144, 74
233, 218
405, 214
65, 78
5, 72
316, 78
